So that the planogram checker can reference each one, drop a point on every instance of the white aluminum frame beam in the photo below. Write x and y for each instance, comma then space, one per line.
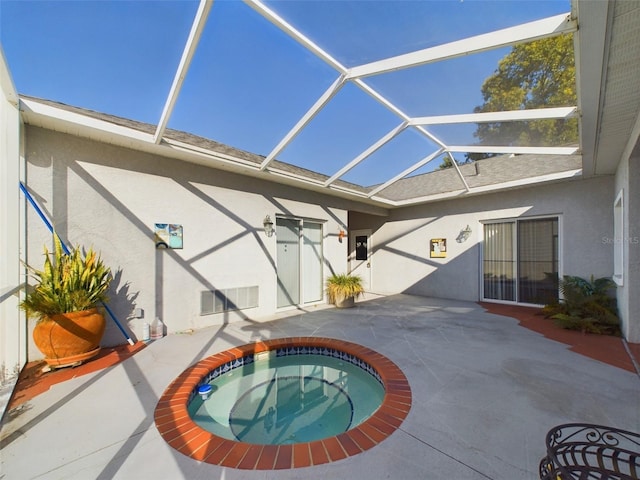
369, 151
197, 28
293, 32
526, 32
299, 37
306, 118
393, 108
548, 27
544, 28
492, 117
458, 171
515, 150
408, 171
283, 25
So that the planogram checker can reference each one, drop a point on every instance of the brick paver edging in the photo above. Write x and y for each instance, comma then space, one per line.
176, 427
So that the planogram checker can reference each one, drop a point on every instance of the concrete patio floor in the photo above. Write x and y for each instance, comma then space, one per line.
485, 393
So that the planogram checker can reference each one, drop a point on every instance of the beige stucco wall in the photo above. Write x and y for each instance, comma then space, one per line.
401, 260
110, 198
627, 180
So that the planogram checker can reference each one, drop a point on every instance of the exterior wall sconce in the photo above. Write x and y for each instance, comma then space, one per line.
464, 234
268, 226
341, 235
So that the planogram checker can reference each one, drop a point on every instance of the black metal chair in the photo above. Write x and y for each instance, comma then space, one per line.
580, 451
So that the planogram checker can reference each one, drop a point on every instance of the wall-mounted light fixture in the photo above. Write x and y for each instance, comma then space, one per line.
464, 234
268, 226
341, 235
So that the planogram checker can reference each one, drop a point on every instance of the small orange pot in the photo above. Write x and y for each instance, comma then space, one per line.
69, 338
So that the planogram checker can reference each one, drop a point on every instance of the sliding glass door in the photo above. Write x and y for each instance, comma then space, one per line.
520, 261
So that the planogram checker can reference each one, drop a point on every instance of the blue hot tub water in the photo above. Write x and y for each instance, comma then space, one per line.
279, 397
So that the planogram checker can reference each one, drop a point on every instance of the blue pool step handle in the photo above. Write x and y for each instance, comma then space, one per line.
205, 391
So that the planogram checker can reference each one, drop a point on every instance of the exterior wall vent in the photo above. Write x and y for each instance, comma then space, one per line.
228, 299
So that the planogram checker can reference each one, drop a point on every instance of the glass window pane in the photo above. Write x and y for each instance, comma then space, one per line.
312, 262
538, 261
499, 261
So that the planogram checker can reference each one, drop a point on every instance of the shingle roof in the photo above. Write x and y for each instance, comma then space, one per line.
195, 141
491, 171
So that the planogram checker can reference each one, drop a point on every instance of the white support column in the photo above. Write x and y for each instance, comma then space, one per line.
13, 326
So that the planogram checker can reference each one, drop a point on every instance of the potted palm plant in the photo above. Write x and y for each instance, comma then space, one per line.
64, 301
343, 289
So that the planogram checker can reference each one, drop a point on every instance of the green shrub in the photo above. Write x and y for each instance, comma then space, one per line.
587, 306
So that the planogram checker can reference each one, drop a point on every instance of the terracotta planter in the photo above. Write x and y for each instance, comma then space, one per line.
70, 338
345, 302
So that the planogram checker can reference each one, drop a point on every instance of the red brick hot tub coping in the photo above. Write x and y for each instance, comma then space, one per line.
183, 434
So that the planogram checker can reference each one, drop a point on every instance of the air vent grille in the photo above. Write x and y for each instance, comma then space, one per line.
228, 299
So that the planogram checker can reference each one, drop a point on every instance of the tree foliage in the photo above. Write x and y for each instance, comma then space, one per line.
538, 74
446, 162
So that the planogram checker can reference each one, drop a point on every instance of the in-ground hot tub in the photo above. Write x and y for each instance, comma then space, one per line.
244, 432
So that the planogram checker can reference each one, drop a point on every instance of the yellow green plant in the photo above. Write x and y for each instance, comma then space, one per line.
67, 283
340, 286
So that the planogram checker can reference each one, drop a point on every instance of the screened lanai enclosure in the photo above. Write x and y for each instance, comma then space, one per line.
344, 96
291, 140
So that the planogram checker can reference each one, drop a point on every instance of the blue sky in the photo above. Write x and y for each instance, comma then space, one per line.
249, 83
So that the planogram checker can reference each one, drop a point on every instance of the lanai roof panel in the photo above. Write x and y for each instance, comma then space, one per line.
309, 86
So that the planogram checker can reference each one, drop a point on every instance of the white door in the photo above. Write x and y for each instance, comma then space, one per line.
288, 261
299, 261
312, 288
360, 256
